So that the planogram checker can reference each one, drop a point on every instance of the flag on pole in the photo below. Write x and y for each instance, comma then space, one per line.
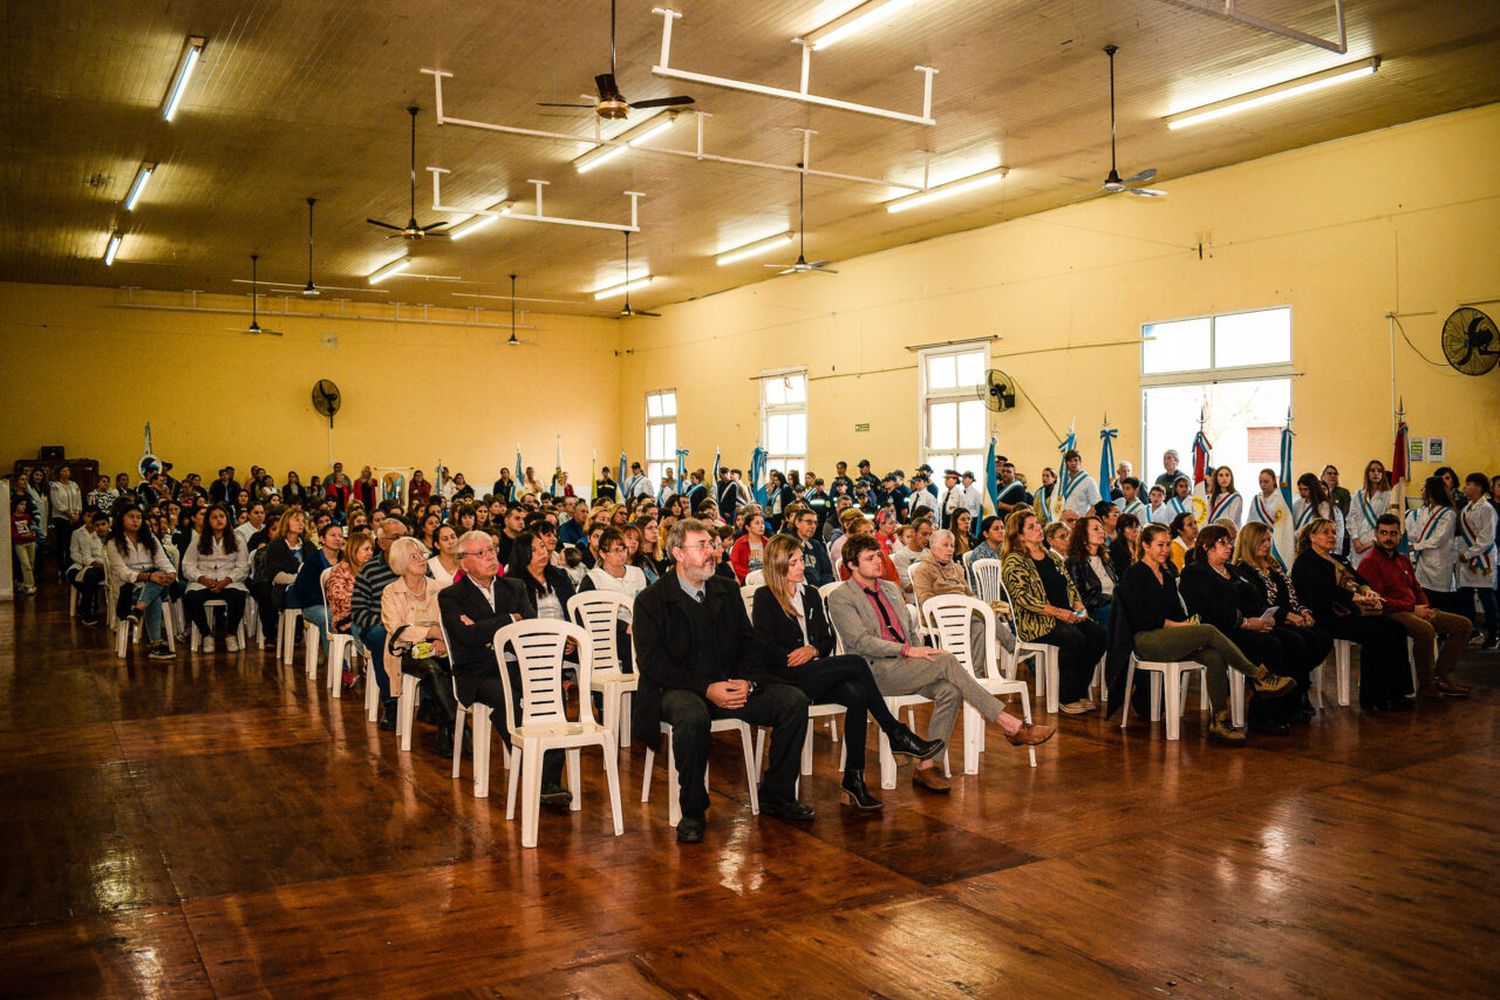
682, 454
1107, 435
593, 475
555, 490
715, 479
1201, 449
1283, 533
1400, 463
520, 476
758, 473
991, 475
1071, 441
624, 480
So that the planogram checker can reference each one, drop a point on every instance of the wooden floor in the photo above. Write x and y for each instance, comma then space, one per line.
216, 826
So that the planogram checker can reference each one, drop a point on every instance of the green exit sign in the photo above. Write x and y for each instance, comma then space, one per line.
861, 428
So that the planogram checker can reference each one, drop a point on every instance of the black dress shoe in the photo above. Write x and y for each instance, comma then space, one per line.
855, 793
787, 809
554, 794
387, 720
690, 829
905, 743
1271, 727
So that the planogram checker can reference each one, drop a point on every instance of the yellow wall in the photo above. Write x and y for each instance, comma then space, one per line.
1403, 219
87, 375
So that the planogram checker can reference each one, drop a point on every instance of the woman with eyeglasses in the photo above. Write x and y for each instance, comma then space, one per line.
614, 574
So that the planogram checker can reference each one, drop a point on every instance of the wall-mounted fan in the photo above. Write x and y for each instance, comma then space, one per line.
327, 399
1470, 341
999, 390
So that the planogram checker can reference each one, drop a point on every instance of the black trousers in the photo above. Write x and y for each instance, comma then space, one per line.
1384, 671
194, 600
780, 706
847, 681
490, 690
87, 582
1280, 656
1079, 648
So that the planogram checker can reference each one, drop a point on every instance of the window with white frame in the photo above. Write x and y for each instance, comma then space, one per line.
661, 434
783, 420
955, 423
1232, 371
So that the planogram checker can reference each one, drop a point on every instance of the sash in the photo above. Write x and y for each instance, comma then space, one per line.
1425, 532
1178, 504
1308, 513
1220, 505
1070, 485
1481, 562
1134, 507
1014, 485
1367, 511
1262, 514
1043, 502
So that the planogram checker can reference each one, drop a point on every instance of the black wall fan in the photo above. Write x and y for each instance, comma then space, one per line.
1470, 341
327, 399
611, 103
411, 231
999, 391
1113, 184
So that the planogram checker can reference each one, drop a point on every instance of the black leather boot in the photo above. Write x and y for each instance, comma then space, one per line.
856, 794
387, 719
908, 744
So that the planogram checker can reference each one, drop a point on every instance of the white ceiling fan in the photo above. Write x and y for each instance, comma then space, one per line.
801, 266
254, 329
1114, 184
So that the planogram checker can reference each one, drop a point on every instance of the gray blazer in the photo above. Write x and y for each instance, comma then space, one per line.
858, 626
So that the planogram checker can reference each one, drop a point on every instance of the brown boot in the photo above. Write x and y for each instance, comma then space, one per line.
1221, 730
931, 779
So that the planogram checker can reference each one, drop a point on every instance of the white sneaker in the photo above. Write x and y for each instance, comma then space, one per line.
208, 644
232, 643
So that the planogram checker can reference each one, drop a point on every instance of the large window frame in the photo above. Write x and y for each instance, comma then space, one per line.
953, 422
783, 419
661, 435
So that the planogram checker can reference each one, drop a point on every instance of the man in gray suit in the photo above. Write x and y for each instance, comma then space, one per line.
870, 617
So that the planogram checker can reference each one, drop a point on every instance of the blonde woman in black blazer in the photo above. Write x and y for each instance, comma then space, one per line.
798, 642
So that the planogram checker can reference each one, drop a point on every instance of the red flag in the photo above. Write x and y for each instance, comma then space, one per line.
1399, 468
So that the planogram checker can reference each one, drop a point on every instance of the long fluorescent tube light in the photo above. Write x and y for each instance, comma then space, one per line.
655, 125
754, 249
635, 285
861, 18
474, 223
386, 270
115, 239
190, 56
1278, 92
138, 185
948, 190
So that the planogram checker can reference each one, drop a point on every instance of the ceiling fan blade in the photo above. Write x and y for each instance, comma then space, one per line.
662, 102
607, 88
820, 263
1147, 192
431, 226
778, 266
1114, 187
823, 270
554, 104
642, 312
384, 225
1144, 175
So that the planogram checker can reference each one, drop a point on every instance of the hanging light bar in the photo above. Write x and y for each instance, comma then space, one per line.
190, 56
634, 285
948, 190
386, 270
112, 248
138, 185
474, 223
598, 155
737, 254
1277, 92
862, 18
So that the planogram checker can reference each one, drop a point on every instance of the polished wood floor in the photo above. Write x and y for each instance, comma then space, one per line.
218, 827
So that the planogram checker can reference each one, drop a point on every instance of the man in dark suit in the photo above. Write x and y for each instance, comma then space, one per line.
699, 660
472, 610
224, 489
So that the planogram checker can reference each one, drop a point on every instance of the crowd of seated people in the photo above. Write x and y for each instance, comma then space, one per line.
1255, 591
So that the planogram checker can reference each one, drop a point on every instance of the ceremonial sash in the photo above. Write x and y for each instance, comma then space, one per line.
1425, 532
1480, 562
1262, 514
1178, 504
1134, 507
1070, 485
1367, 511
1219, 506
1308, 513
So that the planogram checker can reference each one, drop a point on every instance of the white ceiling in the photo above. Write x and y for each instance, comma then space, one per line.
305, 97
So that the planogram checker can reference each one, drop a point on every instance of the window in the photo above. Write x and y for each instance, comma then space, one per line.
661, 434
783, 420
1233, 370
955, 423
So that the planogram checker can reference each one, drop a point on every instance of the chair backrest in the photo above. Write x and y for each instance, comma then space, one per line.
825, 592
987, 583
597, 612
747, 594
948, 616
755, 578
323, 586
537, 644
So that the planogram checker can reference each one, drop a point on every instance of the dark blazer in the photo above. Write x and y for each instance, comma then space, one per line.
471, 648
779, 633
1089, 587
681, 645
1216, 601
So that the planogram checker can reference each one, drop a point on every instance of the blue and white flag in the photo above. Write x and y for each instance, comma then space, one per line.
715, 477
623, 479
1107, 435
991, 479
682, 454
758, 473
1071, 441
520, 473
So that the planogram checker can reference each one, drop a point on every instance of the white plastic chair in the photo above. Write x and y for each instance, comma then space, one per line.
125, 634
483, 730
1176, 691
286, 634
597, 612
674, 804
541, 723
949, 615
755, 578
987, 583
340, 645
195, 640
747, 594
1043, 659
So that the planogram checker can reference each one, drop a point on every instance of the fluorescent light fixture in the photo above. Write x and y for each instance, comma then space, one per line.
474, 223
862, 18
386, 270
138, 185
754, 249
655, 125
948, 190
1277, 92
635, 285
190, 57
115, 239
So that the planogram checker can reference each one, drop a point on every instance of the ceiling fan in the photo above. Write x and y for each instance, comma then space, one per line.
254, 329
611, 103
310, 290
1113, 184
628, 312
514, 340
802, 266
411, 231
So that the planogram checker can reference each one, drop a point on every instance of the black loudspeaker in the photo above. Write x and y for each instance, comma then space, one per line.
51, 453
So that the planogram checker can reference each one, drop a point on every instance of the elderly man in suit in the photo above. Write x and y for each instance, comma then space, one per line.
699, 660
870, 616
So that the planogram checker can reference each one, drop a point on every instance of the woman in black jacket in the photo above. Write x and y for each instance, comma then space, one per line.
283, 563
1350, 610
1091, 568
1305, 642
1122, 548
793, 630
1220, 597
548, 587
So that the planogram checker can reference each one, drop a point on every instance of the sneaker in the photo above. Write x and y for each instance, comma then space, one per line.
161, 652
1221, 730
1268, 683
208, 644
232, 643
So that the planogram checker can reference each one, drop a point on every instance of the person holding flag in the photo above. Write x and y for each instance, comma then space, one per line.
1077, 490
1269, 507
1054, 505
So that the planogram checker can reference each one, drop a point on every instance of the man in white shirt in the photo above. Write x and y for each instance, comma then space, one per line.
963, 495
66, 509
921, 502
1076, 490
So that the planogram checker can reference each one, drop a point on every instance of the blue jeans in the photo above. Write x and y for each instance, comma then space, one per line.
146, 594
373, 639
317, 614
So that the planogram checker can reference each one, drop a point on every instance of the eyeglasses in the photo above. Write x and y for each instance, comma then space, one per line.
708, 546
484, 553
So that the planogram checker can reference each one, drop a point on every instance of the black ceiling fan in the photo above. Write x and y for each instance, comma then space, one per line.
1113, 184
411, 231
255, 329
628, 312
610, 102
310, 290
802, 266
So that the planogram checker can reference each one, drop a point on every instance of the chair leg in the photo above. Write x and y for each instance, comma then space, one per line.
310, 649
575, 778
807, 751
750, 774
1156, 686
833, 728
646, 775
887, 761
1341, 664
1129, 684
674, 804
1026, 716
406, 711
483, 735
973, 726
512, 783
1316, 680
531, 792
1173, 681
612, 776
627, 703
1054, 681
372, 691
760, 746
460, 718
